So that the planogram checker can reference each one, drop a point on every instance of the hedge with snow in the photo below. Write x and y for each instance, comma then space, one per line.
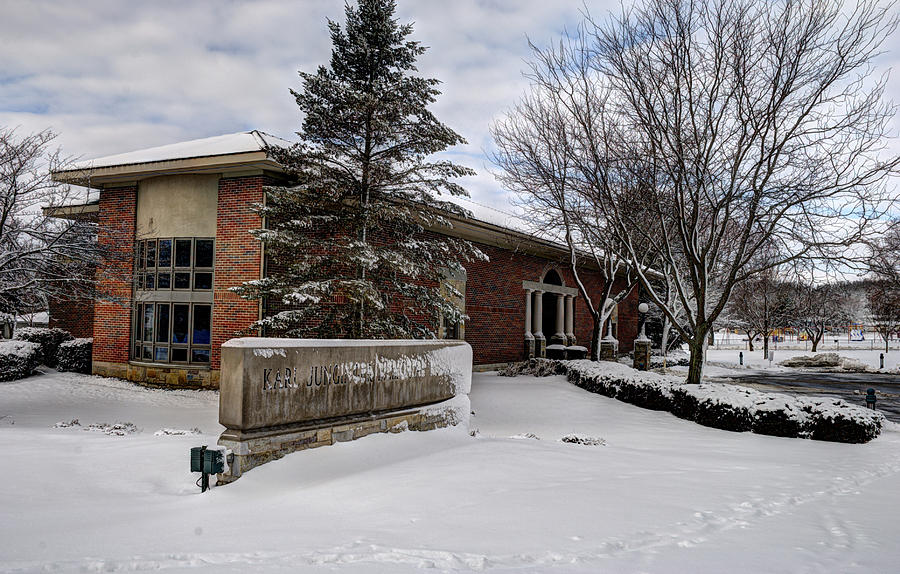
18, 359
48, 340
75, 355
719, 405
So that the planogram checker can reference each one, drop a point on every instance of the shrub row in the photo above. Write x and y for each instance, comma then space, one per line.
47, 339
18, 359
719, 405
75, 356
32, 346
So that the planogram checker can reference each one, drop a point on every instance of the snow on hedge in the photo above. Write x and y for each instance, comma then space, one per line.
723, 406
18, 359
48, 339
75, 355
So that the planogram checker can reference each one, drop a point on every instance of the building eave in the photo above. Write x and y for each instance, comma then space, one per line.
225, 164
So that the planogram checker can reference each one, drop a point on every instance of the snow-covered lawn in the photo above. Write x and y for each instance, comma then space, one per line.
755, 360
662, 495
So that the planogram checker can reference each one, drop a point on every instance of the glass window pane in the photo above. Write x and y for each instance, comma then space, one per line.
182, 280
137, 352
201, 325
151, 253
150, 282
162, 323
148, 322
140, 254
202, 281
203, 254
164, 281
179, 355
162, 354
180, 324
199, 355
148, 352
182, 253
136, 322
165, 253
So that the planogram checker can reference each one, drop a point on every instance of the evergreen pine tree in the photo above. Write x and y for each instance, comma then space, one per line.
347, 246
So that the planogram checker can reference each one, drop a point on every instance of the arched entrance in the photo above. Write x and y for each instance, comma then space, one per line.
550, 311
549, 314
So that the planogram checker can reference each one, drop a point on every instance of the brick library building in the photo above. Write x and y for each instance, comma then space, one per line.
184, 213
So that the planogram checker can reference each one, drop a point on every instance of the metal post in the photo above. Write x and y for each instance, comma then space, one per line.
204, 479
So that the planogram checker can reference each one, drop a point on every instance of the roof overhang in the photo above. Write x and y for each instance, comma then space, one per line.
225, 164
79, 212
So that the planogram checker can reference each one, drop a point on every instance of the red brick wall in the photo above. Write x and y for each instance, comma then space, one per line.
495, 303
238, 257
112, 310
73, 315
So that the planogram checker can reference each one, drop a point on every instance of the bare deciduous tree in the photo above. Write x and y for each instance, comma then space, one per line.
40, 256
535, 153
706, 131
763, 304
820, 306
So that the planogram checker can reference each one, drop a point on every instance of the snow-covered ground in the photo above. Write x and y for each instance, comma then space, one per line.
728, 358
662, 494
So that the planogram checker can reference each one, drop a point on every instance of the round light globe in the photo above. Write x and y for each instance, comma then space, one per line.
643, 307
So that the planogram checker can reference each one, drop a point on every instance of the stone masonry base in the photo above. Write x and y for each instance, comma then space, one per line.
160, 376
252, 449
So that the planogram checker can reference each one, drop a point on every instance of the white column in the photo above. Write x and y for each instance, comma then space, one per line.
560, 317
538, 315
570, 319
528, 335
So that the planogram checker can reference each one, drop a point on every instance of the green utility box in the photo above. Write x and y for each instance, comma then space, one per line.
209, 461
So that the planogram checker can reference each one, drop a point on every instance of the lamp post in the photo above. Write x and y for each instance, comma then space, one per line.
642, 309
642, 343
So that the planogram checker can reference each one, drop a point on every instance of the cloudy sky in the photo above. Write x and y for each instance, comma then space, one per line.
112, 76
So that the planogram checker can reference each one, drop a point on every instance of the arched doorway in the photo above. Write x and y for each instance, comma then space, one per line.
549, 313
550, 308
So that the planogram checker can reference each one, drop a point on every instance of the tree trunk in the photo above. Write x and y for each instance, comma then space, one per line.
664, 342
765, 347
749, 341
595, 338
695, 370
815, 344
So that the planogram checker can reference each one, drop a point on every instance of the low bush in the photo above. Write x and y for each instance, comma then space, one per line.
718, 405
48, 340
75, 356
18, 359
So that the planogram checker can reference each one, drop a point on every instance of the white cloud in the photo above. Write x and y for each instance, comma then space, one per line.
114, 76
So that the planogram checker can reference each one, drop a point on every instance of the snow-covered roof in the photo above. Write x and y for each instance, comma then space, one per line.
505, 218
228, 144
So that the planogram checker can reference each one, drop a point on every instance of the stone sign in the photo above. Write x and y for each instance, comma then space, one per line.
281, 395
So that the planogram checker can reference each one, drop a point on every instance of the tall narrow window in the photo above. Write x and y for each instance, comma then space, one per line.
173, 285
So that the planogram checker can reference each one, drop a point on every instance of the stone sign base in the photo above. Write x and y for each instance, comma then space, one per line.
253, 448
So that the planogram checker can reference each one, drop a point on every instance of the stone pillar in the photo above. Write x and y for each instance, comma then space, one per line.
641, 354
540, 342
570, 320
529, 338
609, 346
559, 335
